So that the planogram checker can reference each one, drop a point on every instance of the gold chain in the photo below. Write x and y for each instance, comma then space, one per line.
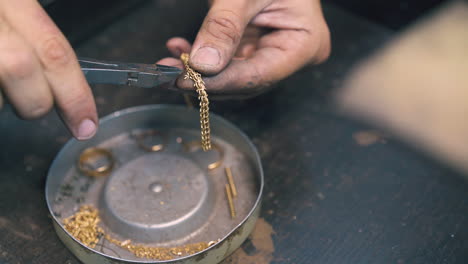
83, 225
199, 85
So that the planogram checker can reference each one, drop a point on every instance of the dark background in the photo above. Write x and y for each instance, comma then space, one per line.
81, 19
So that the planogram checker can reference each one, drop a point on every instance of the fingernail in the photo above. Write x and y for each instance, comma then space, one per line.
86, 130
206, 56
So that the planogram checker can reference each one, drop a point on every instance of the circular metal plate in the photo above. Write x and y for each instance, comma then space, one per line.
163, 191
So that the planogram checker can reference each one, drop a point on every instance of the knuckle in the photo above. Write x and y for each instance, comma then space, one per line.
39, 109
324, 50
55, 53
18, 64
224, 27
75, 100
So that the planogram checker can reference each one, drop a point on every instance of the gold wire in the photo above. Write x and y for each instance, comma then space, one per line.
232, 209
231, 181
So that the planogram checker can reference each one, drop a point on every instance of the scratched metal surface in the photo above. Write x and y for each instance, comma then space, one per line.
327, 198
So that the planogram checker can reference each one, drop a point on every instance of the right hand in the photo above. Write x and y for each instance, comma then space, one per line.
244, 46
39, 69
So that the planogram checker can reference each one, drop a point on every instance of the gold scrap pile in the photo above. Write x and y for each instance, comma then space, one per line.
159, 253
83, 225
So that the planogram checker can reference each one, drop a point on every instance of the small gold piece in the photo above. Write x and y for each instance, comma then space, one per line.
231, 181
149, 133
90, 155
83, 226
197, 144
212, 243
199, 85
126, 242
232, 209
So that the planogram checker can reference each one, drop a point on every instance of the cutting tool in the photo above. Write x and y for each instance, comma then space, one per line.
131, 74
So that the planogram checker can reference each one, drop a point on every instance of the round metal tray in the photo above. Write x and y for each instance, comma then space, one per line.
162, 191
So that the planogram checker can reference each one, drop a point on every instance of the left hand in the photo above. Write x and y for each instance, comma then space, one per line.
244, 46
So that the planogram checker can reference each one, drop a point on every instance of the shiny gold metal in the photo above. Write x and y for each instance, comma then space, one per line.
211, 243
140, 137
188, 146
125, 243
90, 154
232, 209
83, 225
231, 181
159, 253
199, 85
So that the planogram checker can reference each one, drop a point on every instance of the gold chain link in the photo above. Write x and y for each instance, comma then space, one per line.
199, 85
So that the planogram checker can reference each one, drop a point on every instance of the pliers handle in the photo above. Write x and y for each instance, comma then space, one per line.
131, 74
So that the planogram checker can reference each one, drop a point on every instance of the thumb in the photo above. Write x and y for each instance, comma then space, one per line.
220, 34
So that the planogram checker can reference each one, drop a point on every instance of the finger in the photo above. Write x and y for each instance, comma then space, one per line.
177, 46
279, 54
171, 62
245, 50
220, 34
248, 44
71, 92
174, 63
239, 80
303, 17
21, 76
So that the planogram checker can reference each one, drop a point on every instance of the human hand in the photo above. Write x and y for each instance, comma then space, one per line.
244, 46
38, 68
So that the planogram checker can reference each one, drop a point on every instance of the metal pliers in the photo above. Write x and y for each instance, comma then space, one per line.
131, 74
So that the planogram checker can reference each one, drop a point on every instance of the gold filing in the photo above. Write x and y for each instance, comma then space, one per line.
199, 85
83, 225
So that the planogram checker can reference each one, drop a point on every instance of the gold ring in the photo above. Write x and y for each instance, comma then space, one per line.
93, 153
153, 148
195, 143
